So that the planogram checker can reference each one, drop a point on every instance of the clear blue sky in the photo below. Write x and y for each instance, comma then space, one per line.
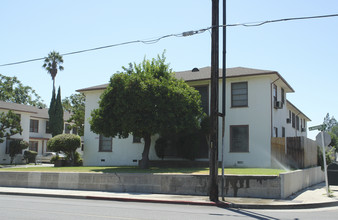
304, 52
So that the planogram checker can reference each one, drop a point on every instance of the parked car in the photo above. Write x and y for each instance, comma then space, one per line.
47, 156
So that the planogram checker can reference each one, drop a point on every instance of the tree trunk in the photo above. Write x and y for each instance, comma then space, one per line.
144, 163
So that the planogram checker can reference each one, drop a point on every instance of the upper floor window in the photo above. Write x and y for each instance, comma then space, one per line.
105, 144
282, 95
34, 126
47, 128
293, 120
275, 93
239, 94
204, 92
297, 123
239, 138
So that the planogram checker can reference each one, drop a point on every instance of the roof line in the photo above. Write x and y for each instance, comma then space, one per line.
299, 111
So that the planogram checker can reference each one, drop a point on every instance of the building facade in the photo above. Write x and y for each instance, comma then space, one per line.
34, 123
256, 110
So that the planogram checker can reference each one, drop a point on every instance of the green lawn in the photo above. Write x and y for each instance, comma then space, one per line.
241, 171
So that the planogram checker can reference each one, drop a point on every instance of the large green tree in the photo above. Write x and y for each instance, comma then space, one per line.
52, 64
9, 125
56, 114
75, 104
144, 100
12, 90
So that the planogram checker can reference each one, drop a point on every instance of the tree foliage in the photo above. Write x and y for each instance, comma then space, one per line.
12, 90
56, 114
331, 126
16, 147
329, 122
52, 64
76, 105
9, 125
144, 100
67, 143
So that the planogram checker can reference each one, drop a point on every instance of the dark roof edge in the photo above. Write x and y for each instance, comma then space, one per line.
299, 111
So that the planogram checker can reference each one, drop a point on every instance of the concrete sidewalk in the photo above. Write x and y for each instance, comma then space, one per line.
312, 197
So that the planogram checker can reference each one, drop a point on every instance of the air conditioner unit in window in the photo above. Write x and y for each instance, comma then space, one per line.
288, 120
278, 104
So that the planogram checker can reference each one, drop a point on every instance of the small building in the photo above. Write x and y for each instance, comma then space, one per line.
257, 110
34, 123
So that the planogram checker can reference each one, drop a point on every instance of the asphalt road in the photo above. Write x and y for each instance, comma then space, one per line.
27, 207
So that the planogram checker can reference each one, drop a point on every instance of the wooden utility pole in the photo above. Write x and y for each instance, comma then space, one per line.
213, 156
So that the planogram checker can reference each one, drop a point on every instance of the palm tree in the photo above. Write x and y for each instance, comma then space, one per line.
52, 63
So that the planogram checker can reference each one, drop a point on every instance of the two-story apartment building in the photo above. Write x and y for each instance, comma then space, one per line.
34, 123
256, 110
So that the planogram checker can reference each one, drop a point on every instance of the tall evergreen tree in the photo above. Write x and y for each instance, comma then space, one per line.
51, 113
58, 129
56, 114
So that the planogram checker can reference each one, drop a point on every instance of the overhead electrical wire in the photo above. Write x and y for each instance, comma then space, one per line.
183, 34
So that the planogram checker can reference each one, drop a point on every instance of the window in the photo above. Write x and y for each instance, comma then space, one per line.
8, 141
239, 94
34, 126
275, 93
74, 131
47, 128
67, 128
297, 123
239, 138
204, 92
283, 132
105, 144
293, 120
275, 132
136, 139
282, 95
33, 145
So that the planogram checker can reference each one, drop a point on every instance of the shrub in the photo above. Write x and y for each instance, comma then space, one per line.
67, 143
30, 156
329, 156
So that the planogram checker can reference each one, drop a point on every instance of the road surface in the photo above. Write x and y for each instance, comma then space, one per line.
30, 207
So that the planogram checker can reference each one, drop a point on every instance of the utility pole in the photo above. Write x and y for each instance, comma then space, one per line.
223, 94
214, 113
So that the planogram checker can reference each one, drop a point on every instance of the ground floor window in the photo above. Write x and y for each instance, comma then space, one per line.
33, 146
239, 138
105, 144
8, 141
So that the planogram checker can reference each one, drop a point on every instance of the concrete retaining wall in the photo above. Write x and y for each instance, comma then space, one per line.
295, 181
241, 186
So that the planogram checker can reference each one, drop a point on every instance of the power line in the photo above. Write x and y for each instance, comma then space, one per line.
183, 34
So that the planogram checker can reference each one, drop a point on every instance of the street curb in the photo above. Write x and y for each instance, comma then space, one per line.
153, 201
286, 206
219, 204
